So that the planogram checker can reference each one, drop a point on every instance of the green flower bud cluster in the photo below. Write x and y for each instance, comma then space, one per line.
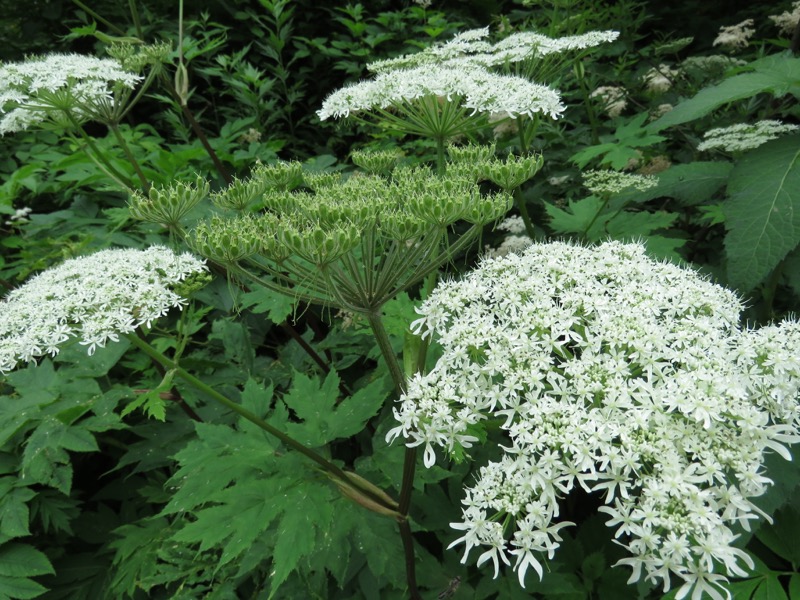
514, 171
167, 205
471, 154
321, 179
377, 162
282, 176
318, 245
227, 241
135, 57
240, 194
470, 160
353, 242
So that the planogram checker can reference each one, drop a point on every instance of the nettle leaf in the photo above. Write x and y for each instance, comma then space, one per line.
308, 517
778, 74
690, 184
323, 418
261, 300
45, 458
235, 338
763, 212
576, 217
617, 150
19, 562
14, 512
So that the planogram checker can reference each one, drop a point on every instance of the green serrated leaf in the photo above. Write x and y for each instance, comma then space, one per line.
763, 212
309, 513
20, 588
235, 337
577, 217
261, 300
14, 513
635, 225
781, 537
23, 560
744, 588
770, 589
778, 74
690, 184
794, 587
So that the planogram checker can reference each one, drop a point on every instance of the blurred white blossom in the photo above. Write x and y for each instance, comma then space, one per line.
93, 298
613, 98
744, 136
471, 47
787, 20
605, 181
735, 36
659, 79
625, 376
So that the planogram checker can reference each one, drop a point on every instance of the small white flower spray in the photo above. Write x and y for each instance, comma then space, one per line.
64, 91
627, 377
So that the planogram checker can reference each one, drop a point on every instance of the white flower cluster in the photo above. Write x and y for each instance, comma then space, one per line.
472, 47
618, 374
20, 216
460, 68
605, 181
613, 97
736, 36
25, 86
94, 298
787, 21
659, 79
744, 136
478, 89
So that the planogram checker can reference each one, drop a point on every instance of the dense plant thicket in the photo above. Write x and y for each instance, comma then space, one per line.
399, 300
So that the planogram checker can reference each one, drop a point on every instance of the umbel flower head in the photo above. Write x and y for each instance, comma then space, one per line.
93, 298
624, 376
478, 89
471, 46
744, 136
42, 88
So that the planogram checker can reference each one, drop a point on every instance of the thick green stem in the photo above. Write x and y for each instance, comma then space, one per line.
523, 212
129, 155
410, 458
290, 442
395, 370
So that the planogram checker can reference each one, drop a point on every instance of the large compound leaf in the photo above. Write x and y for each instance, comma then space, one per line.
778, 74
763, 213
690, 184
324, 417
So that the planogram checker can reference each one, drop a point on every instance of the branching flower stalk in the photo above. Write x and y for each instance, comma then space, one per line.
351, 244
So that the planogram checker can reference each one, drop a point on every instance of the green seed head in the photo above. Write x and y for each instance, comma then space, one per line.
226, 240
282, 176
167, 205
515, 171
377, 162
240, 194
